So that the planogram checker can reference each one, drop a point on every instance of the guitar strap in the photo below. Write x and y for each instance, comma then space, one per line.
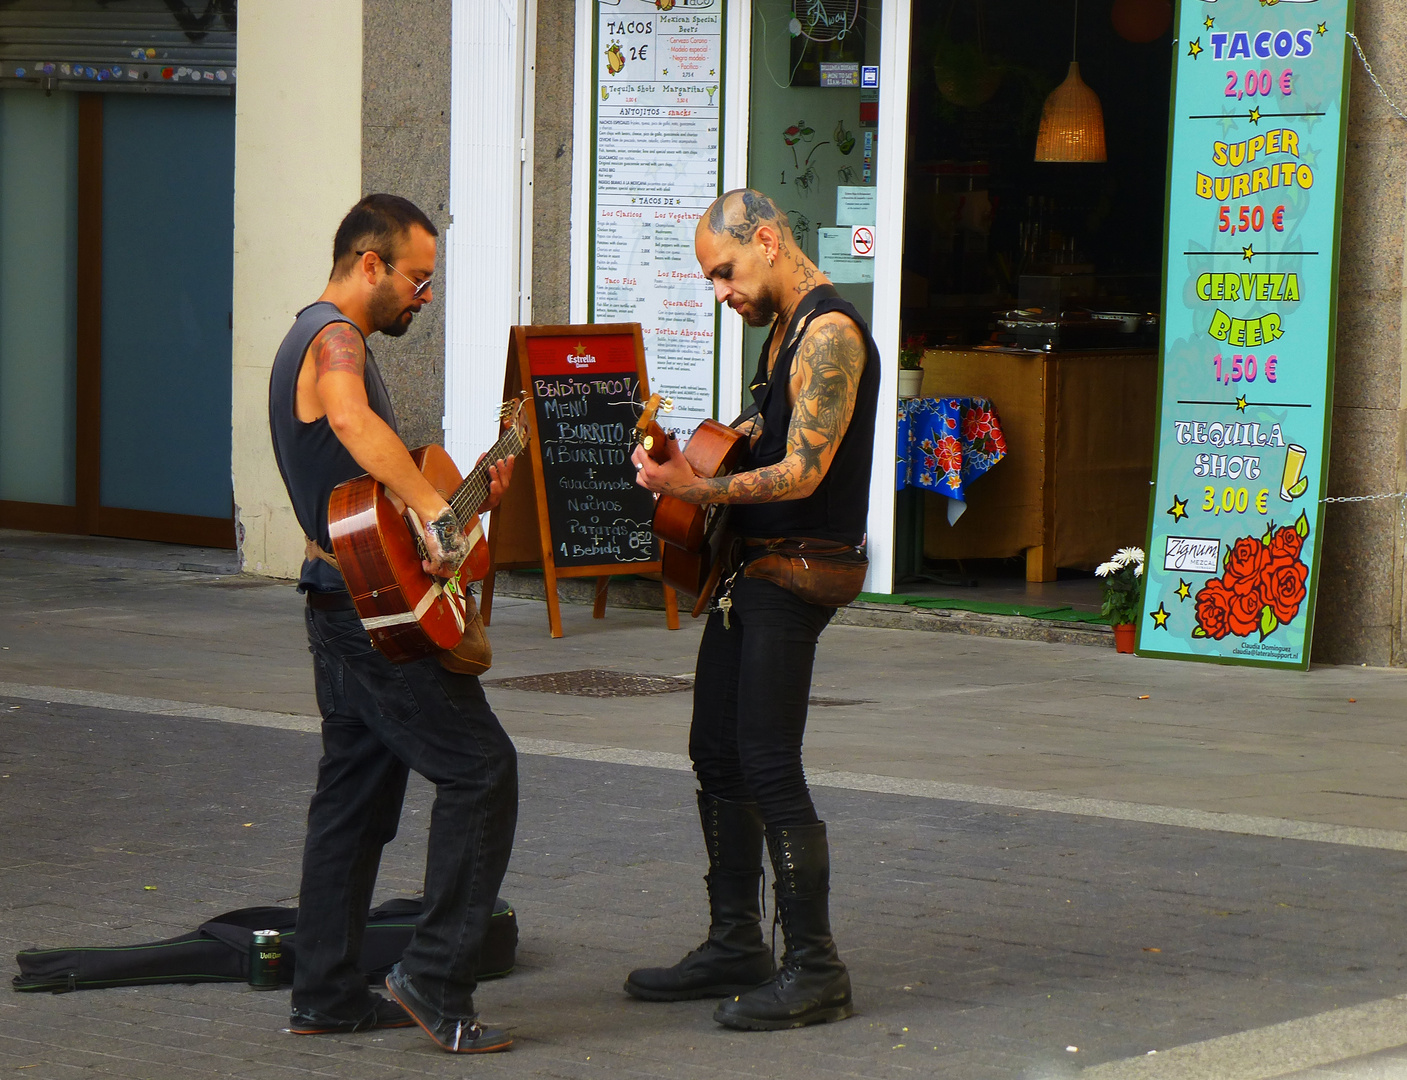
762, 380
311, 550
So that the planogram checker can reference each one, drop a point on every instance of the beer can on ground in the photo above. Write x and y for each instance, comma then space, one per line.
265, 960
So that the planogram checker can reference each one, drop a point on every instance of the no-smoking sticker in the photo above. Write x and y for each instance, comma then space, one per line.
862, 241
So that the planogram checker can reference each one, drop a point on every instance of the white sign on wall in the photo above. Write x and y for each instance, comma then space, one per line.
657, 109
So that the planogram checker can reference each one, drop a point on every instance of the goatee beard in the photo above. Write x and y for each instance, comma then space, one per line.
763, 312
385, 311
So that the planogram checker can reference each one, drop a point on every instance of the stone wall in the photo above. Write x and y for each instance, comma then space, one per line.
552, 162
405, 151
1360, 614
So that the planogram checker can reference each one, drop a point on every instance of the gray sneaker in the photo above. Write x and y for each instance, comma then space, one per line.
453, 1034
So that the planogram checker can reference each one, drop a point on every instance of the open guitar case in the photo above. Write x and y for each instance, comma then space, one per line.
218, 951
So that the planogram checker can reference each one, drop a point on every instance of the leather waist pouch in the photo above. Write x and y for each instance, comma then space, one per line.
824, 572
473, 655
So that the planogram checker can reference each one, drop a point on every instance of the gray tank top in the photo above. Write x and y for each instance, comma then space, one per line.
310, 457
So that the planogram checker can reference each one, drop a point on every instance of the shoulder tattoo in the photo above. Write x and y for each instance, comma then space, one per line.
832, 357
339, 348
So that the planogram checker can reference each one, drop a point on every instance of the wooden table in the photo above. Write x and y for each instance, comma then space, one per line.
1074, 485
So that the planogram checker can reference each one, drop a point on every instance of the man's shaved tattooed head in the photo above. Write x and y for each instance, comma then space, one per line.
739, 212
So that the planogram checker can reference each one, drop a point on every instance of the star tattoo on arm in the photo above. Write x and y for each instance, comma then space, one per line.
825, 379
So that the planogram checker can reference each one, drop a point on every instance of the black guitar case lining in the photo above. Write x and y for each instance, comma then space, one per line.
218, 951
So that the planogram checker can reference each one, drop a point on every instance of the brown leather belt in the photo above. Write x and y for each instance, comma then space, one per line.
330, 601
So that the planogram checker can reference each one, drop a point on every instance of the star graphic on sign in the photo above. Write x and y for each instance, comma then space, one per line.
1195, 49
1255, 115
1160, 617
664, 71
1323, 28
1248, 253
1209, 23
711, 71
580, 349
1178, 510
1241, 403
1184, 589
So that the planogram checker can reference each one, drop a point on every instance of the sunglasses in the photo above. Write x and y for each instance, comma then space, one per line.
419, 288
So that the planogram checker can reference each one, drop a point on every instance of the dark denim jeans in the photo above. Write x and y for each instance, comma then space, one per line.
751, 689
379, 721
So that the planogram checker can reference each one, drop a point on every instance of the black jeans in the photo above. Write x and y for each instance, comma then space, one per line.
379, 721
751, 689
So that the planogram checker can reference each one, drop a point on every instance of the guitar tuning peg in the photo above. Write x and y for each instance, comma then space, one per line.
667, 404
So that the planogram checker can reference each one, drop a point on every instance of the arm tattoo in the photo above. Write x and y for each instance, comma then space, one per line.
339, 348
829, 363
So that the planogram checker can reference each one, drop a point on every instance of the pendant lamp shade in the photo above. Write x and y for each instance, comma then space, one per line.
1072, 123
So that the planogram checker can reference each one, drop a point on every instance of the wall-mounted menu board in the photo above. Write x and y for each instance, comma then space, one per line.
657, 112
573, 507
1255, 179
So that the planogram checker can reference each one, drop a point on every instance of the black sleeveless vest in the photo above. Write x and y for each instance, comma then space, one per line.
839, 507
310, 457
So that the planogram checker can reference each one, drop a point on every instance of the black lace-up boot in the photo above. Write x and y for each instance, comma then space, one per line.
812, 986
734, 958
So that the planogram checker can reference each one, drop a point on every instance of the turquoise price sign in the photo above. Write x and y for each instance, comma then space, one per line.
1255, 171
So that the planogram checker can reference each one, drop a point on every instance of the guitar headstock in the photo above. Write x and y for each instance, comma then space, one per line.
514, 413
648, 433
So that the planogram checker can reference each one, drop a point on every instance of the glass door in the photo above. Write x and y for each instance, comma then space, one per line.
828, 88
813, 136
38, 302
115, 326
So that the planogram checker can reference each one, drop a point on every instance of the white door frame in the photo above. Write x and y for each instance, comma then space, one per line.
488, 253
890, 172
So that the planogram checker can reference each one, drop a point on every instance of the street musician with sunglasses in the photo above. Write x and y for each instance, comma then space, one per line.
331, 420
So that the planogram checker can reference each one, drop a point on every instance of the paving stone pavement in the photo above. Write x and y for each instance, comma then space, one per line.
982, 941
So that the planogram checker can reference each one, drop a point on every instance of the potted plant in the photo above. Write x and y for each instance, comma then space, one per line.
911, 366
1123, 593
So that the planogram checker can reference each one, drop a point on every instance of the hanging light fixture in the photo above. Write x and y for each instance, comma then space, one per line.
1072, 122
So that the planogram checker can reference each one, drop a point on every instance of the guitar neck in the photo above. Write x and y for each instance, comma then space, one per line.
470, 495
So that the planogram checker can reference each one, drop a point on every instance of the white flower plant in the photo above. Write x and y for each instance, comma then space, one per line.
1123, 585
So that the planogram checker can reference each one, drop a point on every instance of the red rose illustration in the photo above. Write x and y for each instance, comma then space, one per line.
1248, 561
1286, 543
1214, 609
1283, 585
1243, 616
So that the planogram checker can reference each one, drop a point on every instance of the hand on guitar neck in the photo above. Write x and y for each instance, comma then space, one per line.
690, 532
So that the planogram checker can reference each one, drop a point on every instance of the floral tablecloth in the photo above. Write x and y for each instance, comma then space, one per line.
946, 443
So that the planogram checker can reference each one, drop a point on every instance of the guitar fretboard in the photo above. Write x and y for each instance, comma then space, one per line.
470, 495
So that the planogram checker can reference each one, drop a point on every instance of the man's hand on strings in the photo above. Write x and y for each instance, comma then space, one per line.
500, 475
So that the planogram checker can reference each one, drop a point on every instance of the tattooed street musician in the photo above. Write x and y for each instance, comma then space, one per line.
805, 483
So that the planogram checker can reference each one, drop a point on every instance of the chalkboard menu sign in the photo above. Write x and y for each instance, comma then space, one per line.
586, 393
573, 507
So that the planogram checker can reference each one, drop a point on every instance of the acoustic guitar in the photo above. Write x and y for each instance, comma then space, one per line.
407, 612
692, 535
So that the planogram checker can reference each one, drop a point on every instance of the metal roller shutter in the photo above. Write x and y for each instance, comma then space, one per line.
136, 46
